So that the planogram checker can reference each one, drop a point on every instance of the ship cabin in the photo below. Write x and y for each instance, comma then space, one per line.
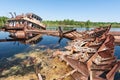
33, 16
29, 21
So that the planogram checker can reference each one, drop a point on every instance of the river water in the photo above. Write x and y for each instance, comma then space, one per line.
8, 49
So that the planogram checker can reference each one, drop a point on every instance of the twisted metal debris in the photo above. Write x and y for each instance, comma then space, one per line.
91, 56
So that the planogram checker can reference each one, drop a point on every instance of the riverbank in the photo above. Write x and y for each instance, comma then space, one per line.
78, 26
84, 24
24, 66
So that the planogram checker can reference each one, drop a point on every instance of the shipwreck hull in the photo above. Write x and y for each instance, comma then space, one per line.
92, 56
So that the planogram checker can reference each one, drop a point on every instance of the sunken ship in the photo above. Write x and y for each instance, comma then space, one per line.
91, 56
18, 25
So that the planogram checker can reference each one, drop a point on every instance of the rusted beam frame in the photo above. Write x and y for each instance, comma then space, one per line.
115, 33
69, 31
89, 62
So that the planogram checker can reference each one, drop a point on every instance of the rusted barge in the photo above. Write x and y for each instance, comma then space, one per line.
18, 25
29, 21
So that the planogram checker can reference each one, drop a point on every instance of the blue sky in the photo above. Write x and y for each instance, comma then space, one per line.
80, 10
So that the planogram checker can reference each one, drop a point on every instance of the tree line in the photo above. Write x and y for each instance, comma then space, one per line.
72, 23
69, 23
3, 20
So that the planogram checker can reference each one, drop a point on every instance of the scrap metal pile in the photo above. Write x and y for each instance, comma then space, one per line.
91, 56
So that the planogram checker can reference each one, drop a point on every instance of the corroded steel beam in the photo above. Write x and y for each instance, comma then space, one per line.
115, 33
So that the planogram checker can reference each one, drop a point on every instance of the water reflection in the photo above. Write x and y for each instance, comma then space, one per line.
9, 48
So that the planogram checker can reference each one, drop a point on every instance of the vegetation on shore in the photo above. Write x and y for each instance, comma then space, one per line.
69, 23
3, 20
72, 23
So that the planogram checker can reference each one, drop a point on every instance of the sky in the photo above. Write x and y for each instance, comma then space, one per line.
79, 10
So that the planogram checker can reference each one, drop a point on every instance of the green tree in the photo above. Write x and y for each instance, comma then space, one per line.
2, 21
87, 24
